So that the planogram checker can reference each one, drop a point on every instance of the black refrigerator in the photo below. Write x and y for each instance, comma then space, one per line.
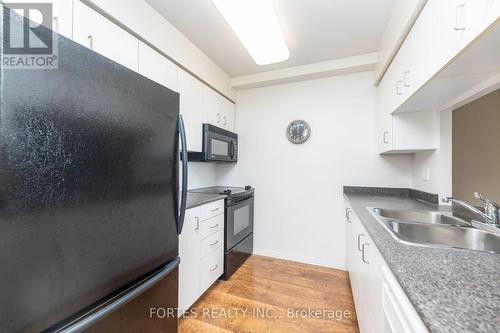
90, 203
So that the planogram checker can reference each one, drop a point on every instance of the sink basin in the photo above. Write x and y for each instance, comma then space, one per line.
420, 216
435, 229
445, 236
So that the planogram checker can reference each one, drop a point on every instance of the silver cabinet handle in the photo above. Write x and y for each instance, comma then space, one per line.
214, 243
348, 215
214, 226
385, 137
359, 241
197, 223
218, 118
225, 120
398, 87
214, 210
460, 17
406, 79
363, 253
91, 41
215, 267
55, 19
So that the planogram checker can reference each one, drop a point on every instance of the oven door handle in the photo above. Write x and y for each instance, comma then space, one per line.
235, 202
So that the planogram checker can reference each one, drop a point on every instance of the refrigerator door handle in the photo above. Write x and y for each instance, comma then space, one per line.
184, 158
116, 302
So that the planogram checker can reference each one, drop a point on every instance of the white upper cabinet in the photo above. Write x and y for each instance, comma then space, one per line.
227, 111
414, 63
442, 31
191, 107
212, 104
156, 67
103, 36
217, 110
62, 21
62, 15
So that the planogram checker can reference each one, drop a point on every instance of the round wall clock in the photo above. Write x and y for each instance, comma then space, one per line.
298, 131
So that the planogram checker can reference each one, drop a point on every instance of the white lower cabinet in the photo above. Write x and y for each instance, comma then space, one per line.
201, 249
399, 314
367, 273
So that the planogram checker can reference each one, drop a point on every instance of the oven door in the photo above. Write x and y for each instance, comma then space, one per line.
239, 221
220, 147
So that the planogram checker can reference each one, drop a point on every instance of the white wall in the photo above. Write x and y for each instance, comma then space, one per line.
299, 206
140, 17
438, 162
201, 174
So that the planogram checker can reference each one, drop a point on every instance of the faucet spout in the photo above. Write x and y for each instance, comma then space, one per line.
491, 216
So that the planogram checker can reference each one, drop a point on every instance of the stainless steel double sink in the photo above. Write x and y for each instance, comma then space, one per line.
435, 229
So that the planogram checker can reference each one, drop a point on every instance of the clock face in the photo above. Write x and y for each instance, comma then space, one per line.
298, 131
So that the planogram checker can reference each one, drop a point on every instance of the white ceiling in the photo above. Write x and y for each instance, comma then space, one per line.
315, 30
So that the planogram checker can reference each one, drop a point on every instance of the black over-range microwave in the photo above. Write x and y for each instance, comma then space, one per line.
219, 145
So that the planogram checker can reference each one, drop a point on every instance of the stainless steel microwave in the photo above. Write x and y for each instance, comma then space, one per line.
219, 145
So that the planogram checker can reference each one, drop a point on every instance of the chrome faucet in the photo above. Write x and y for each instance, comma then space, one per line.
491, 209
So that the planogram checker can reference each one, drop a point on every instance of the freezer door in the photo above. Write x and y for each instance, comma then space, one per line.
88, 185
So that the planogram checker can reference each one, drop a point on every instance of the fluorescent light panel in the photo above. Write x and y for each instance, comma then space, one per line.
255, 23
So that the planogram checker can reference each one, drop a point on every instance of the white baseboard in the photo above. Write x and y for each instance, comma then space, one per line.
305, 260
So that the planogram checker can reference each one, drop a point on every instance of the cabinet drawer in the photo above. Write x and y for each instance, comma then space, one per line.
211, 243
212, 267
210, 226
212, 209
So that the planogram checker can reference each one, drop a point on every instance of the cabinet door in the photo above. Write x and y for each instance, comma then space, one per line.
365, 271
212, 107
227, 110
212, 267
156, 67
462, 21
62, 15
62, 22
191, 107
385, 129
372, 264
360, 277
101, 35
349, 251
189, 252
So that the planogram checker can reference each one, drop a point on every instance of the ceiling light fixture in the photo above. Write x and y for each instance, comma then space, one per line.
256, 25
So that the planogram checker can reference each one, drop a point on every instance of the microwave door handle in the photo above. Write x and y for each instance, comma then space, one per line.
232, 149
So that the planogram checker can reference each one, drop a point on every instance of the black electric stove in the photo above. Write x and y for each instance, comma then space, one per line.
230, 192
238, 224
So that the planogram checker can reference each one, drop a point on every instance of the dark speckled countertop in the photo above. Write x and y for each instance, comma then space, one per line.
198, 199
453, 290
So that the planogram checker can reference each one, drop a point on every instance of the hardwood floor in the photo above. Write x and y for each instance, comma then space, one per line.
272, 295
